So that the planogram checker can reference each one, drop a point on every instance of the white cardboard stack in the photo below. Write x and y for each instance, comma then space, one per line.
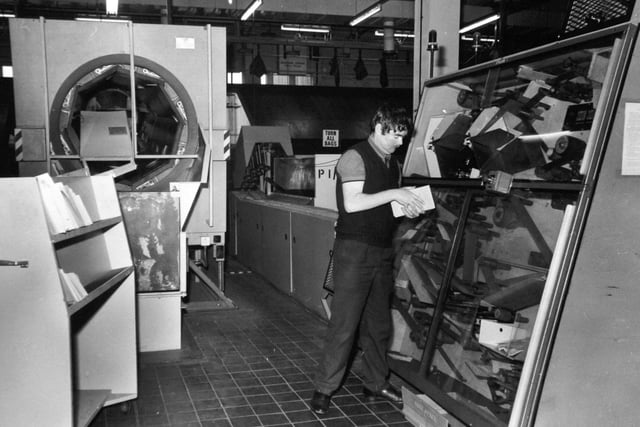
421, 411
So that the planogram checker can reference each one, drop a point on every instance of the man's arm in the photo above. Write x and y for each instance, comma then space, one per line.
355, 200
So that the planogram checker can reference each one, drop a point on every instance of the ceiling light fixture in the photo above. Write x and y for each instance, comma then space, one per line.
324, 29
112, 7
482, 39
99, 19
480, 23
249, 11
399, 34
7, 15
366, 14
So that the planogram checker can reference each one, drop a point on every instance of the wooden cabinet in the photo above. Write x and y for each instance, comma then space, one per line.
312, 241
287, 244
276, 247
263, 241
249, 234
62, 363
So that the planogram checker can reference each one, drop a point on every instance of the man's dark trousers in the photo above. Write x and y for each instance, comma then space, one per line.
363, 284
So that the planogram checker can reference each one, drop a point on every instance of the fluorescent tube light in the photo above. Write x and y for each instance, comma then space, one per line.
399, 34
112, 7
7, 15
480, 23
482, 39
366, 14
249, 11
98, 19
306, 28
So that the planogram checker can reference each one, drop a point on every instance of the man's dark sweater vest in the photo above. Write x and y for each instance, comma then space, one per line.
372, 226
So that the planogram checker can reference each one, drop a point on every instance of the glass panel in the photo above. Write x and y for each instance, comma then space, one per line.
422, 248
493, 297
531, 118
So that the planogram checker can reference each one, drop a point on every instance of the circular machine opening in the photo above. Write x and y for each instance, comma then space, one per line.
91, 122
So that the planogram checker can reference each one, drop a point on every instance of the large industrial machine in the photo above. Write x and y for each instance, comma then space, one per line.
146, 104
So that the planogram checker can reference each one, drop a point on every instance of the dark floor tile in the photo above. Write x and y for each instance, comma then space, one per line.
153, 421
273, 419
278, 388
178, 406
338, 422
300, 416
366, 420
392, 417
259, 399
228, 391
266, 372
380, 407
249, 391
350, 410
267, 381
301, 387
201, 405
202, 395
239, 411
216, 423
251, 421
248, 382
311, 424
233, 401
285, 397
212, 414
293, 406
345, 400
266, 408
183, 417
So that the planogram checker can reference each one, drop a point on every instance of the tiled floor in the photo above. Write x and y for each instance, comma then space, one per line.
250, 366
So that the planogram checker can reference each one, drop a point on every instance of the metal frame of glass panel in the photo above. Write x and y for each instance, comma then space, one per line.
472, 278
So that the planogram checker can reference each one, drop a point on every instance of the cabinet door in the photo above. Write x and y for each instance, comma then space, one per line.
249, 235
311, 243
276, 251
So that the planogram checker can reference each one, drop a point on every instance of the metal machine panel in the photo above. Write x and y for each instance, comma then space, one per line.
28, 63
597, 347
483, 277
183, 52
33, 150
64, 55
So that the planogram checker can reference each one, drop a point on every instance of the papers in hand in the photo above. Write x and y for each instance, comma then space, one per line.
423, 192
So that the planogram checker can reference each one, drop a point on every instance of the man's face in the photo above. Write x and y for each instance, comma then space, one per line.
390, 141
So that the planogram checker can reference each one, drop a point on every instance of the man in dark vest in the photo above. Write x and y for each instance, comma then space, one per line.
368, 181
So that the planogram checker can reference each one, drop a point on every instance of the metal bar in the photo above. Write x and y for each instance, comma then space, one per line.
132, 82
432, 337
47, 124
207, 281
537, 335
210, 95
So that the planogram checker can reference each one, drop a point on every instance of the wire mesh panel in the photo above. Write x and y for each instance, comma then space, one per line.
587, 15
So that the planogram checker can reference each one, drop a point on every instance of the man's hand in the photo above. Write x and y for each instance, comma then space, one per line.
412, 205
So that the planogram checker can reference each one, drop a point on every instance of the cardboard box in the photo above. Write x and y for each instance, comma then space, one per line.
421, 411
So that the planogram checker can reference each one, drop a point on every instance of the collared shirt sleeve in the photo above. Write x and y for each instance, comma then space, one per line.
350, 167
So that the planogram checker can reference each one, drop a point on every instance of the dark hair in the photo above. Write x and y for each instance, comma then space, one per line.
392, 118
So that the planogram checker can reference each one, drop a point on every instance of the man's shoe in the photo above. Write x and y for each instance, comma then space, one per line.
320, 402
388, 393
